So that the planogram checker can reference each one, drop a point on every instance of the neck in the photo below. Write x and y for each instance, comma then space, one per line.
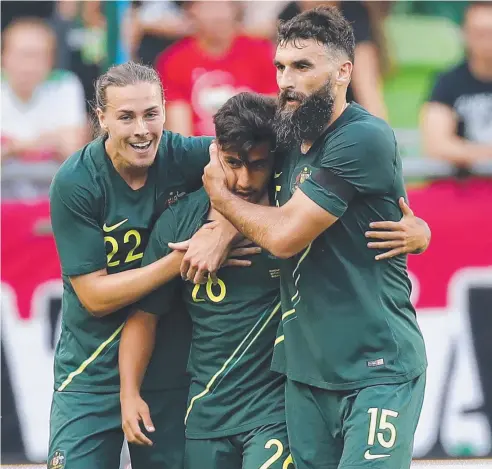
24, 95
215, 47
340, 106
480, 69
134, 177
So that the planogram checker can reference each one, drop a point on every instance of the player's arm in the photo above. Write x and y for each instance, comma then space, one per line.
283, 231
136, 347
138, 335
362, 161
80, 244
102, 294
410, 235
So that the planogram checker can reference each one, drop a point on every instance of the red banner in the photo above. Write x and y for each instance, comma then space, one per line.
452, 288
460, 217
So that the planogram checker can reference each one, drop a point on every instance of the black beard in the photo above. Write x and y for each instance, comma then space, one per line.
308, 121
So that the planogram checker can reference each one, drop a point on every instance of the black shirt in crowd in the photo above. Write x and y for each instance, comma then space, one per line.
470, 98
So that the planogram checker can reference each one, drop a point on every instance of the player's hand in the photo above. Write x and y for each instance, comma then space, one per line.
214, 178
409, 235
208, 250
133, 411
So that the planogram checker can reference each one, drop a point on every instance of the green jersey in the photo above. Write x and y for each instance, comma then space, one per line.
100, 222
347, 319
234, 325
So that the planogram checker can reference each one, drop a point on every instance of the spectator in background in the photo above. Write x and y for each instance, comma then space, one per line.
457, 120
155, 25
80, 27
366, 17
201, 72
43, 110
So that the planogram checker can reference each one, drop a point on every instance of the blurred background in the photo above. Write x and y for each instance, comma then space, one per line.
424, 66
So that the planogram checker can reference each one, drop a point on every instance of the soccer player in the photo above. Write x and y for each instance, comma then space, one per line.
235, 414
235, 417
350, 347
104, 201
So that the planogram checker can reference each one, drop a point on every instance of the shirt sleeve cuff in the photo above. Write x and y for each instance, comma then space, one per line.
325, 199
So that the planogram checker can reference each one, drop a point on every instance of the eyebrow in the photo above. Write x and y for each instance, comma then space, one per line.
302, 62
129, 111
295, 63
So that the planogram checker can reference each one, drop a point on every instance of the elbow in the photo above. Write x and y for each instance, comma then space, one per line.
284, 247
96, 309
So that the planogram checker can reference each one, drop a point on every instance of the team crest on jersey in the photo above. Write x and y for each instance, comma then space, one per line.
301, 177
58, 460
174, 197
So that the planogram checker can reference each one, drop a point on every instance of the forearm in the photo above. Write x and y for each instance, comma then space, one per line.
458, 151
109, 293
136, 347
231, 234
259, 223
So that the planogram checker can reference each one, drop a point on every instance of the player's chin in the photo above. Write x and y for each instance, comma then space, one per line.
252, 198
143, 161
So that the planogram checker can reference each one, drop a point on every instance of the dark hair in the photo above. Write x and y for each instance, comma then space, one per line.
129, 73
326, 25
245, 121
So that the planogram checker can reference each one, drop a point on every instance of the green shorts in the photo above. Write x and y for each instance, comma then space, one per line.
85, 431
261, 448
369, 427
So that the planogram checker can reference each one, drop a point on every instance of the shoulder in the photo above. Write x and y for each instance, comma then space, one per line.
193, 202
79, 173
186, 214
174, 145
367, 132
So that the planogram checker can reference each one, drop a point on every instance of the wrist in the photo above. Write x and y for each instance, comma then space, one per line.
220, 198
128, 392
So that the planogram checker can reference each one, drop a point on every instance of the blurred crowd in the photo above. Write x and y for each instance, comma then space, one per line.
413, 66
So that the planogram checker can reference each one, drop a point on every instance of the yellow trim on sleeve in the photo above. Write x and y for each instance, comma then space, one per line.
288, 313
279, 339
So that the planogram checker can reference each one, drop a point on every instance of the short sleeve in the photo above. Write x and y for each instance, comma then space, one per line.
160, 301
360, 160
444, 90
78, 237
192, 158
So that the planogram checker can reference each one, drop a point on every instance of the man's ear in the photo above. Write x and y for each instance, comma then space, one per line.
102, 119
344, 73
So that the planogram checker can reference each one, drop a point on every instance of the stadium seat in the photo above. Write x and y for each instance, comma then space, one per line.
419, 48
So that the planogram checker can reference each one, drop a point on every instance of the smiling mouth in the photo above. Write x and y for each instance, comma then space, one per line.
141, 146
